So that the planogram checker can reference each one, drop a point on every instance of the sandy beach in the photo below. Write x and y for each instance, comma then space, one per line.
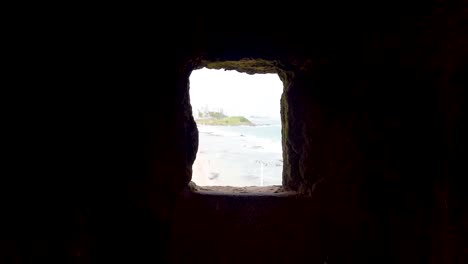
233, 157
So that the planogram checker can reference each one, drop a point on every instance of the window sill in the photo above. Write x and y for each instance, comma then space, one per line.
275, 190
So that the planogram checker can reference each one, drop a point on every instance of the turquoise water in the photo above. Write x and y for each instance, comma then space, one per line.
239, 155
264, 128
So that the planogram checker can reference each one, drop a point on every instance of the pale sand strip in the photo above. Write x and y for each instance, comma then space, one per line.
200, 174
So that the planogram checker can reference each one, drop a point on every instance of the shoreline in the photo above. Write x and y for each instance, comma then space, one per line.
236, 157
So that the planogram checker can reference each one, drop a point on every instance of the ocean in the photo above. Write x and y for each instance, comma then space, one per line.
239, 155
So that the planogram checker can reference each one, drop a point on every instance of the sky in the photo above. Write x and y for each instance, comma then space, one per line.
236, 93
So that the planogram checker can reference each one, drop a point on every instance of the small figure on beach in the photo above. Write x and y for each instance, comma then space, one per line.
214, 175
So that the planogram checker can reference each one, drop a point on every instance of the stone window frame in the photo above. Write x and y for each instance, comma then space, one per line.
290, 178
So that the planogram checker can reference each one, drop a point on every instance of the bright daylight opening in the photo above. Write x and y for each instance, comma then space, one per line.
239, 124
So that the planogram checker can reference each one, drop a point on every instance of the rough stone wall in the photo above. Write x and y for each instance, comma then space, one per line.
366, 115
367, 127
375, 113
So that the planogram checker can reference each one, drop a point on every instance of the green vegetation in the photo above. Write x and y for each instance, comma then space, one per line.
206, 117
226, 121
